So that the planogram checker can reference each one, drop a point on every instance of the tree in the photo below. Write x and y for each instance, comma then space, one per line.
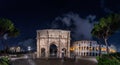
106, 27
7, 27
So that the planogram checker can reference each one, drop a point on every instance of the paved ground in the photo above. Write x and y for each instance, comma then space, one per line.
55, 61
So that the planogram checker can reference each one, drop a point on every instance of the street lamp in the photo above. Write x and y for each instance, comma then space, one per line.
29, 49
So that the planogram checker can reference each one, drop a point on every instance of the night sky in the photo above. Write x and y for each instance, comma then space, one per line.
31, 15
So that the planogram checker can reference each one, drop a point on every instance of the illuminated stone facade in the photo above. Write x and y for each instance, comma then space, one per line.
60, 39
89, 48
54, 42
85, 48
15, 49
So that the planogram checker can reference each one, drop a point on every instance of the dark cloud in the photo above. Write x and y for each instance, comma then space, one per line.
31, 15
80, 27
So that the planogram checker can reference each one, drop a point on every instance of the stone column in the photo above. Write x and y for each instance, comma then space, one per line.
38, 45
58, 52
88, 51
84, 49
46, 52
68, 45
95, 51
68, 52
38, 51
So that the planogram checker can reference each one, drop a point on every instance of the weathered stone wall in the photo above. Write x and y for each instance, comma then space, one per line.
60, 38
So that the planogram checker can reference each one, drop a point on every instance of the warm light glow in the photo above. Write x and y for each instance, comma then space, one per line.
72, 49
103, 49
112, 50
91, 48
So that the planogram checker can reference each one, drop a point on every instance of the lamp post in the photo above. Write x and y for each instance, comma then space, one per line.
29, 49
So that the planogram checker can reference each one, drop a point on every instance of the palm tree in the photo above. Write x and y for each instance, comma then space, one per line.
106, 27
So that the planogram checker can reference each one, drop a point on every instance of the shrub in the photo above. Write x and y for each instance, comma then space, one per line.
111, 59
4, 61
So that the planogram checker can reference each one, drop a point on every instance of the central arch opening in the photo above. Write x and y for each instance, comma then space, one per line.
53, 50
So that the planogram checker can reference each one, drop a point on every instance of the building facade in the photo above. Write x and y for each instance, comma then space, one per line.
15, 49
86, 48
53, 43
89, 48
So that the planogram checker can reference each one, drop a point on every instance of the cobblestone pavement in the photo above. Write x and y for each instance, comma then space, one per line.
55, 61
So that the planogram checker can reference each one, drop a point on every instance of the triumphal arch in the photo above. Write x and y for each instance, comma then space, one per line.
53, 43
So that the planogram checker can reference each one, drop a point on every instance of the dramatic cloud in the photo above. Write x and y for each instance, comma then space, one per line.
80, 27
